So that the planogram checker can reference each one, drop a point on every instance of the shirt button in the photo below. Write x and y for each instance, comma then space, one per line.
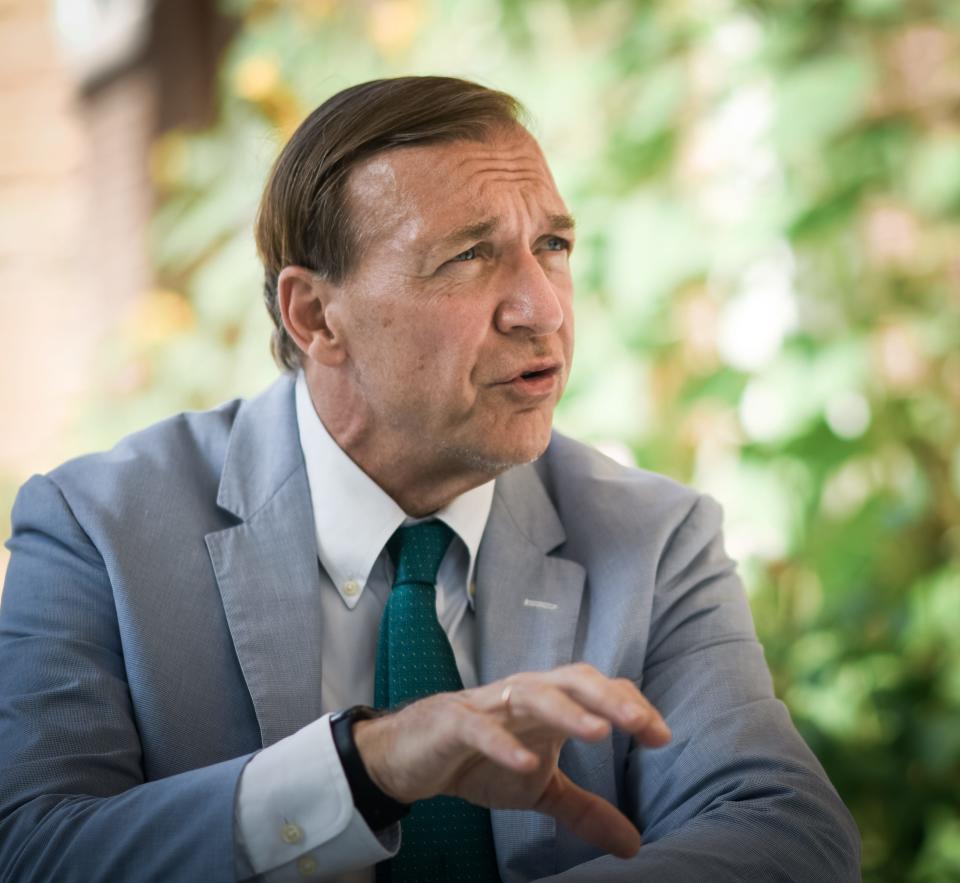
291, 833
351, 587
307, 865
473, 590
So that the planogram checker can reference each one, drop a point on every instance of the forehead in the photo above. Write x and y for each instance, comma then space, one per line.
411, 192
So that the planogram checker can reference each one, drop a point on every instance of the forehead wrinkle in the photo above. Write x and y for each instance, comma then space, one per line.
512, 162
525, 170
394, 204
543, 205
513, 150
540, 198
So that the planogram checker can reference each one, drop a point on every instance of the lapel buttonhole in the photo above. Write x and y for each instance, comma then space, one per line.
540, 605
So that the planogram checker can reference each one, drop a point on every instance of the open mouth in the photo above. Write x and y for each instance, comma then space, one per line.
538, 383
543, 372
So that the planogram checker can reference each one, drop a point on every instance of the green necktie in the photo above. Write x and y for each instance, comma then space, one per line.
444, 839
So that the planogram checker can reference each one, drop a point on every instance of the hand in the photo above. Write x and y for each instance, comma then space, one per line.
503, 754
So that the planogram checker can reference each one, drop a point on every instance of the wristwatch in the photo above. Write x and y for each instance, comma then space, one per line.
378, 809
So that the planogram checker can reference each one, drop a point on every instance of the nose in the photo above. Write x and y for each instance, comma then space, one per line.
532, 303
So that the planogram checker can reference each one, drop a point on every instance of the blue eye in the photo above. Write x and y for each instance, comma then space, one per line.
558, 243
467, 255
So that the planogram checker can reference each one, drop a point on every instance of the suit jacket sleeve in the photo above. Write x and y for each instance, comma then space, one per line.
737, 795
74, 805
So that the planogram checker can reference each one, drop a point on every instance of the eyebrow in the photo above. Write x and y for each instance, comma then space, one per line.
482, 229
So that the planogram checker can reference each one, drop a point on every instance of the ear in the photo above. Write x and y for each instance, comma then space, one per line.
304, 300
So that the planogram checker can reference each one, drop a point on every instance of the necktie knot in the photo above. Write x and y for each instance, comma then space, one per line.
417, 551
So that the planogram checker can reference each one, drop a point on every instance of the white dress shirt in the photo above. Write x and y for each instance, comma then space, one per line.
295, 814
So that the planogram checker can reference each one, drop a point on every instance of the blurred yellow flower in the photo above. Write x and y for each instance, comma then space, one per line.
167, 160
160, 315
316, 8
257, 78
393, 25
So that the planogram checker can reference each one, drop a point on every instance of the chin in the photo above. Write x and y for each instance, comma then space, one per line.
492, 460
532, 451
527, 446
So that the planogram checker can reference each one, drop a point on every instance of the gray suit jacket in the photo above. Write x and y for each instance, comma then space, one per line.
157, 628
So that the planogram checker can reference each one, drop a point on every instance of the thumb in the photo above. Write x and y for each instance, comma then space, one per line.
589, 816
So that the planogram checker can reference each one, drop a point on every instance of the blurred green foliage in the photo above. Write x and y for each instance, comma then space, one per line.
768, 197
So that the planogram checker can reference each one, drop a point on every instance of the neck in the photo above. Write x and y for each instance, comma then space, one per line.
418, 485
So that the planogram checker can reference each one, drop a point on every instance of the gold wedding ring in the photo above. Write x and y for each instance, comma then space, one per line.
505, 697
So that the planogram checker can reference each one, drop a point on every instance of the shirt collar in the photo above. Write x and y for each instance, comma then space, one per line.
354, 516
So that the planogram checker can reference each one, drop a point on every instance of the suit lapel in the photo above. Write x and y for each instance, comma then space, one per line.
528, 607
266, 566
528, 601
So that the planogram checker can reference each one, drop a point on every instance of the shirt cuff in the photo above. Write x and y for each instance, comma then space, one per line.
295, 814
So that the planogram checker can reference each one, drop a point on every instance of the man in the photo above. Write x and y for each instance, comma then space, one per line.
566, 651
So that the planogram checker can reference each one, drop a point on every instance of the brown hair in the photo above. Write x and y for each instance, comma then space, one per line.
304, 218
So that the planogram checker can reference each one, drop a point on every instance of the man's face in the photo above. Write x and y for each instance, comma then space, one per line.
458, 317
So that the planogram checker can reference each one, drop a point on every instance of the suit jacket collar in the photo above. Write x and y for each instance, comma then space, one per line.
528, 598
263, 450
266, 566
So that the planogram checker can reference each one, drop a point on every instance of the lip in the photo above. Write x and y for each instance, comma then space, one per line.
543, 367
534, 380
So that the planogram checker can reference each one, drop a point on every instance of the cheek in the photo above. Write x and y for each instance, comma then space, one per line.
448, 341
421, 363
424, 347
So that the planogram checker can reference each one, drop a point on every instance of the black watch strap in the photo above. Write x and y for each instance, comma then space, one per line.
378, 809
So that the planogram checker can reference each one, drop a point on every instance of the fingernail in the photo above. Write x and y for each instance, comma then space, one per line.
661, 729
592, 721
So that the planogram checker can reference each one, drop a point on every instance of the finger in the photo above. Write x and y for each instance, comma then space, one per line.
552, 706
589, 817
484, 734
616, 699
